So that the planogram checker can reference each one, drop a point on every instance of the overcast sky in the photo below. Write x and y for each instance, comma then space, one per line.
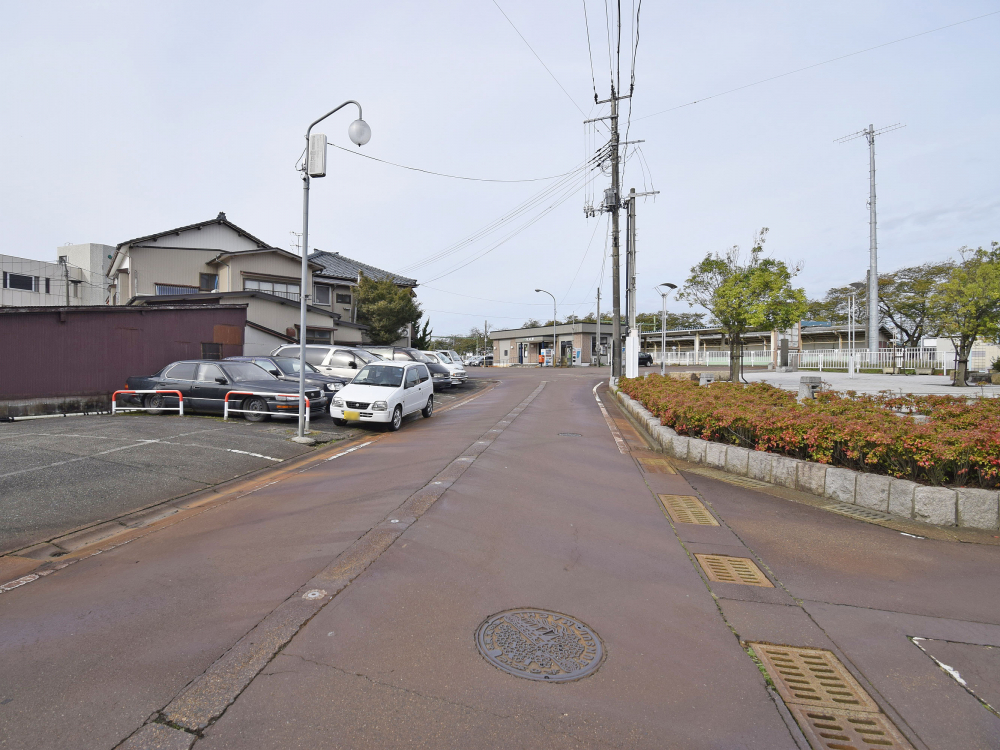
126, 118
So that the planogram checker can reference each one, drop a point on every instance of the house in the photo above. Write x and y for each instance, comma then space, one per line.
76, 278
216, 261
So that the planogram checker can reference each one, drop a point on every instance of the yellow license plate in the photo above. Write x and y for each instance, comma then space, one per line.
352, 414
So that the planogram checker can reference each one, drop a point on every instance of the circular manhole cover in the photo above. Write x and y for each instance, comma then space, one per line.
540, 645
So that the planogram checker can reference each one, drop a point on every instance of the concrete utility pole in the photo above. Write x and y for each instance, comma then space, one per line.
598, 327
869, 133
65, 264
616, 323
630, 263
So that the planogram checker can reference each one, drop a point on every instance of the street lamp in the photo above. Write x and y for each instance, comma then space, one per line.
554, 317
663, 324
856, 286
314, 165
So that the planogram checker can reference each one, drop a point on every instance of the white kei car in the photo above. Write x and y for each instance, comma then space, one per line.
384, 392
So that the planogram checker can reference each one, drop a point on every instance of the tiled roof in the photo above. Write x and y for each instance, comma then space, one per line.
339, 267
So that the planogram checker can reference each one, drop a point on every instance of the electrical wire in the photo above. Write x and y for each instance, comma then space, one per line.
442, 174
539, 59
586, 252
590, 52
816, 65
487, 299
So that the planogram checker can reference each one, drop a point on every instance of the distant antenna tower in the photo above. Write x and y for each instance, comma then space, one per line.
297, 242
869, 133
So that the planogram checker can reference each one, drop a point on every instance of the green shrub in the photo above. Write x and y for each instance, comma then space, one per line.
959, 443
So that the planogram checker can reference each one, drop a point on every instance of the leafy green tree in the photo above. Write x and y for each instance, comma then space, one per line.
532, 323
675, 321
742, 296
966, 306
386, 309
423, 339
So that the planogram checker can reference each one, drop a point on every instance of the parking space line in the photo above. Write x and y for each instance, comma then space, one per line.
80, 458
349, 450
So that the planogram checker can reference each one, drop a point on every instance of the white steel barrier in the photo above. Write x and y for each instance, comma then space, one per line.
286, 397
115, 408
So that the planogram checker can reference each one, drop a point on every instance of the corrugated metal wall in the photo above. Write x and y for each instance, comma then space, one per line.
56, 352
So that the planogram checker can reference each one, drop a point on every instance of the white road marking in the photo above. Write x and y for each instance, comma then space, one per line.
81, 458
349, 450
255, 455
615, 433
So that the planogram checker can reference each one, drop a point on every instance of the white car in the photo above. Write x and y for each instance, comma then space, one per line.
454, 365
385, 392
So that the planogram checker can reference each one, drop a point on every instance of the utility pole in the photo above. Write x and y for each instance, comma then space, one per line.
65, 264
869, 133
616, 323
598, 326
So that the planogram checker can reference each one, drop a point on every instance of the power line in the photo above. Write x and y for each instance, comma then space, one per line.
442, 174
486, 299
597, 226
816, 65
539, 59
590, 53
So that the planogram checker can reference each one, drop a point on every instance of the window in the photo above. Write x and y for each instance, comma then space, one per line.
343, 299
342, 358
48, 286
316, 336
275, 367
211, 351
241, 372
208, 282
20, 281
75, 287
422, 373
277, 288
181, 371
208, 373
288, 351
321, 295
411, 377
163, 289
316, 356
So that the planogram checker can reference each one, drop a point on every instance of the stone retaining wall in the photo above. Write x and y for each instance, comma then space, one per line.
943, 506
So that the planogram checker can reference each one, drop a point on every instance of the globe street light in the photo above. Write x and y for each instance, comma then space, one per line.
663, 325
314, 165
553, 324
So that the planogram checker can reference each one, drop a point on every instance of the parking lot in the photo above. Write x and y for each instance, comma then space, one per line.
59, 475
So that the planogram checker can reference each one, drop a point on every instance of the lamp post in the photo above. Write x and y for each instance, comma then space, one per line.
314, 165
663, 325
554, 318
851, 344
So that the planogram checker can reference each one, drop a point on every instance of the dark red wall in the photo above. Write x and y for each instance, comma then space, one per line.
85, 351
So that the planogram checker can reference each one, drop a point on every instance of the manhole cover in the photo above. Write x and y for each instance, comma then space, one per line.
540, 645
570, 434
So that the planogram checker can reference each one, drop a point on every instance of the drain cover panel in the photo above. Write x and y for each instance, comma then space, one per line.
862, 514
656, 466
687, 509
838, 729
725, 569
540, 645
813, 677
570, 434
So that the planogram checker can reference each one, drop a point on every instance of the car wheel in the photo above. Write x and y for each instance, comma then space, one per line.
339, 422
428, 411
254, 404
154, 402
397, 419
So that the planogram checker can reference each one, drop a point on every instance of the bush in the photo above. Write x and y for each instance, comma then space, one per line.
957, 443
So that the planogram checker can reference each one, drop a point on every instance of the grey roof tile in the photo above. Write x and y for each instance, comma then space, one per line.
337, 266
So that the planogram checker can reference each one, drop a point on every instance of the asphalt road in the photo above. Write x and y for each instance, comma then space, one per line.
62, 475
335, 603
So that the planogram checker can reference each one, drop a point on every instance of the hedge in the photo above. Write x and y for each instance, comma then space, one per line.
931, 439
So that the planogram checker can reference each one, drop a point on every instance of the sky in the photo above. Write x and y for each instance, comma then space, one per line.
122, 119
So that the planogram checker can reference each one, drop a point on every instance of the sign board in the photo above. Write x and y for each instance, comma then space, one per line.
317, 155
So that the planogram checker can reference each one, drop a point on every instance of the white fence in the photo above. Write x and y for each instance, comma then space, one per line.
824, 359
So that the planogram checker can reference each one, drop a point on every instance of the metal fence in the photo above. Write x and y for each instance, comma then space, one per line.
828, 359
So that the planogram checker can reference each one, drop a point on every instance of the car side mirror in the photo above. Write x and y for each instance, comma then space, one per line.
353, 365
276, 373
221, 381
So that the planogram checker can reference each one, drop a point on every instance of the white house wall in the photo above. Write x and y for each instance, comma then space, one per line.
218, 237
151, 266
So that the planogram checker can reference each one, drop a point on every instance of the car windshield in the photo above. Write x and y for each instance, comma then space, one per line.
455, 355
387, 375
444, 357
239, 372
366, 356
290, 366
434, 357
421, 357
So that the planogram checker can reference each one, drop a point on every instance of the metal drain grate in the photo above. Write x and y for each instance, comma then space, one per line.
540, 645
837, 729
862, 514
725, 569
813, 677
656, 466
687, 509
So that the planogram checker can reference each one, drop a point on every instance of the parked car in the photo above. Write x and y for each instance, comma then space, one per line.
330, 359
204, 384
385, 392
456, 368
440, 375
645, 359
286, 368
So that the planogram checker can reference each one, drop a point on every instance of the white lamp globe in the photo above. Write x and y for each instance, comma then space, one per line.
359, 132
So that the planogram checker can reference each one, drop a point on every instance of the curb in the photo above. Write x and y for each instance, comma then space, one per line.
941, 506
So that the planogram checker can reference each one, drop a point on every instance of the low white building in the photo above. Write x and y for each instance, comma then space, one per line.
76, 277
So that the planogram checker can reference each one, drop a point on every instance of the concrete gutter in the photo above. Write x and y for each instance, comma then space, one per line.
942, 506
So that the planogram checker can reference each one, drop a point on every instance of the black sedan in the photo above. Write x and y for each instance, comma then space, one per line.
287, 368
645, 359
205, 383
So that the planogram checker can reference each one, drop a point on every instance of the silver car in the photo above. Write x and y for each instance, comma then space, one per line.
455, 366
342, 361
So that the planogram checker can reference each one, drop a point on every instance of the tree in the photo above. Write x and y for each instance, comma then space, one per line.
386, 309
966, 306
739, 296
531, 323
423, 339
675, 321
903, 297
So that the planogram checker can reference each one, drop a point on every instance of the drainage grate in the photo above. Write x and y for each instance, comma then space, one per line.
687, 509
656, 466
862, 514
570, 434
540, 645
837, 729
813, 677
725, 569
